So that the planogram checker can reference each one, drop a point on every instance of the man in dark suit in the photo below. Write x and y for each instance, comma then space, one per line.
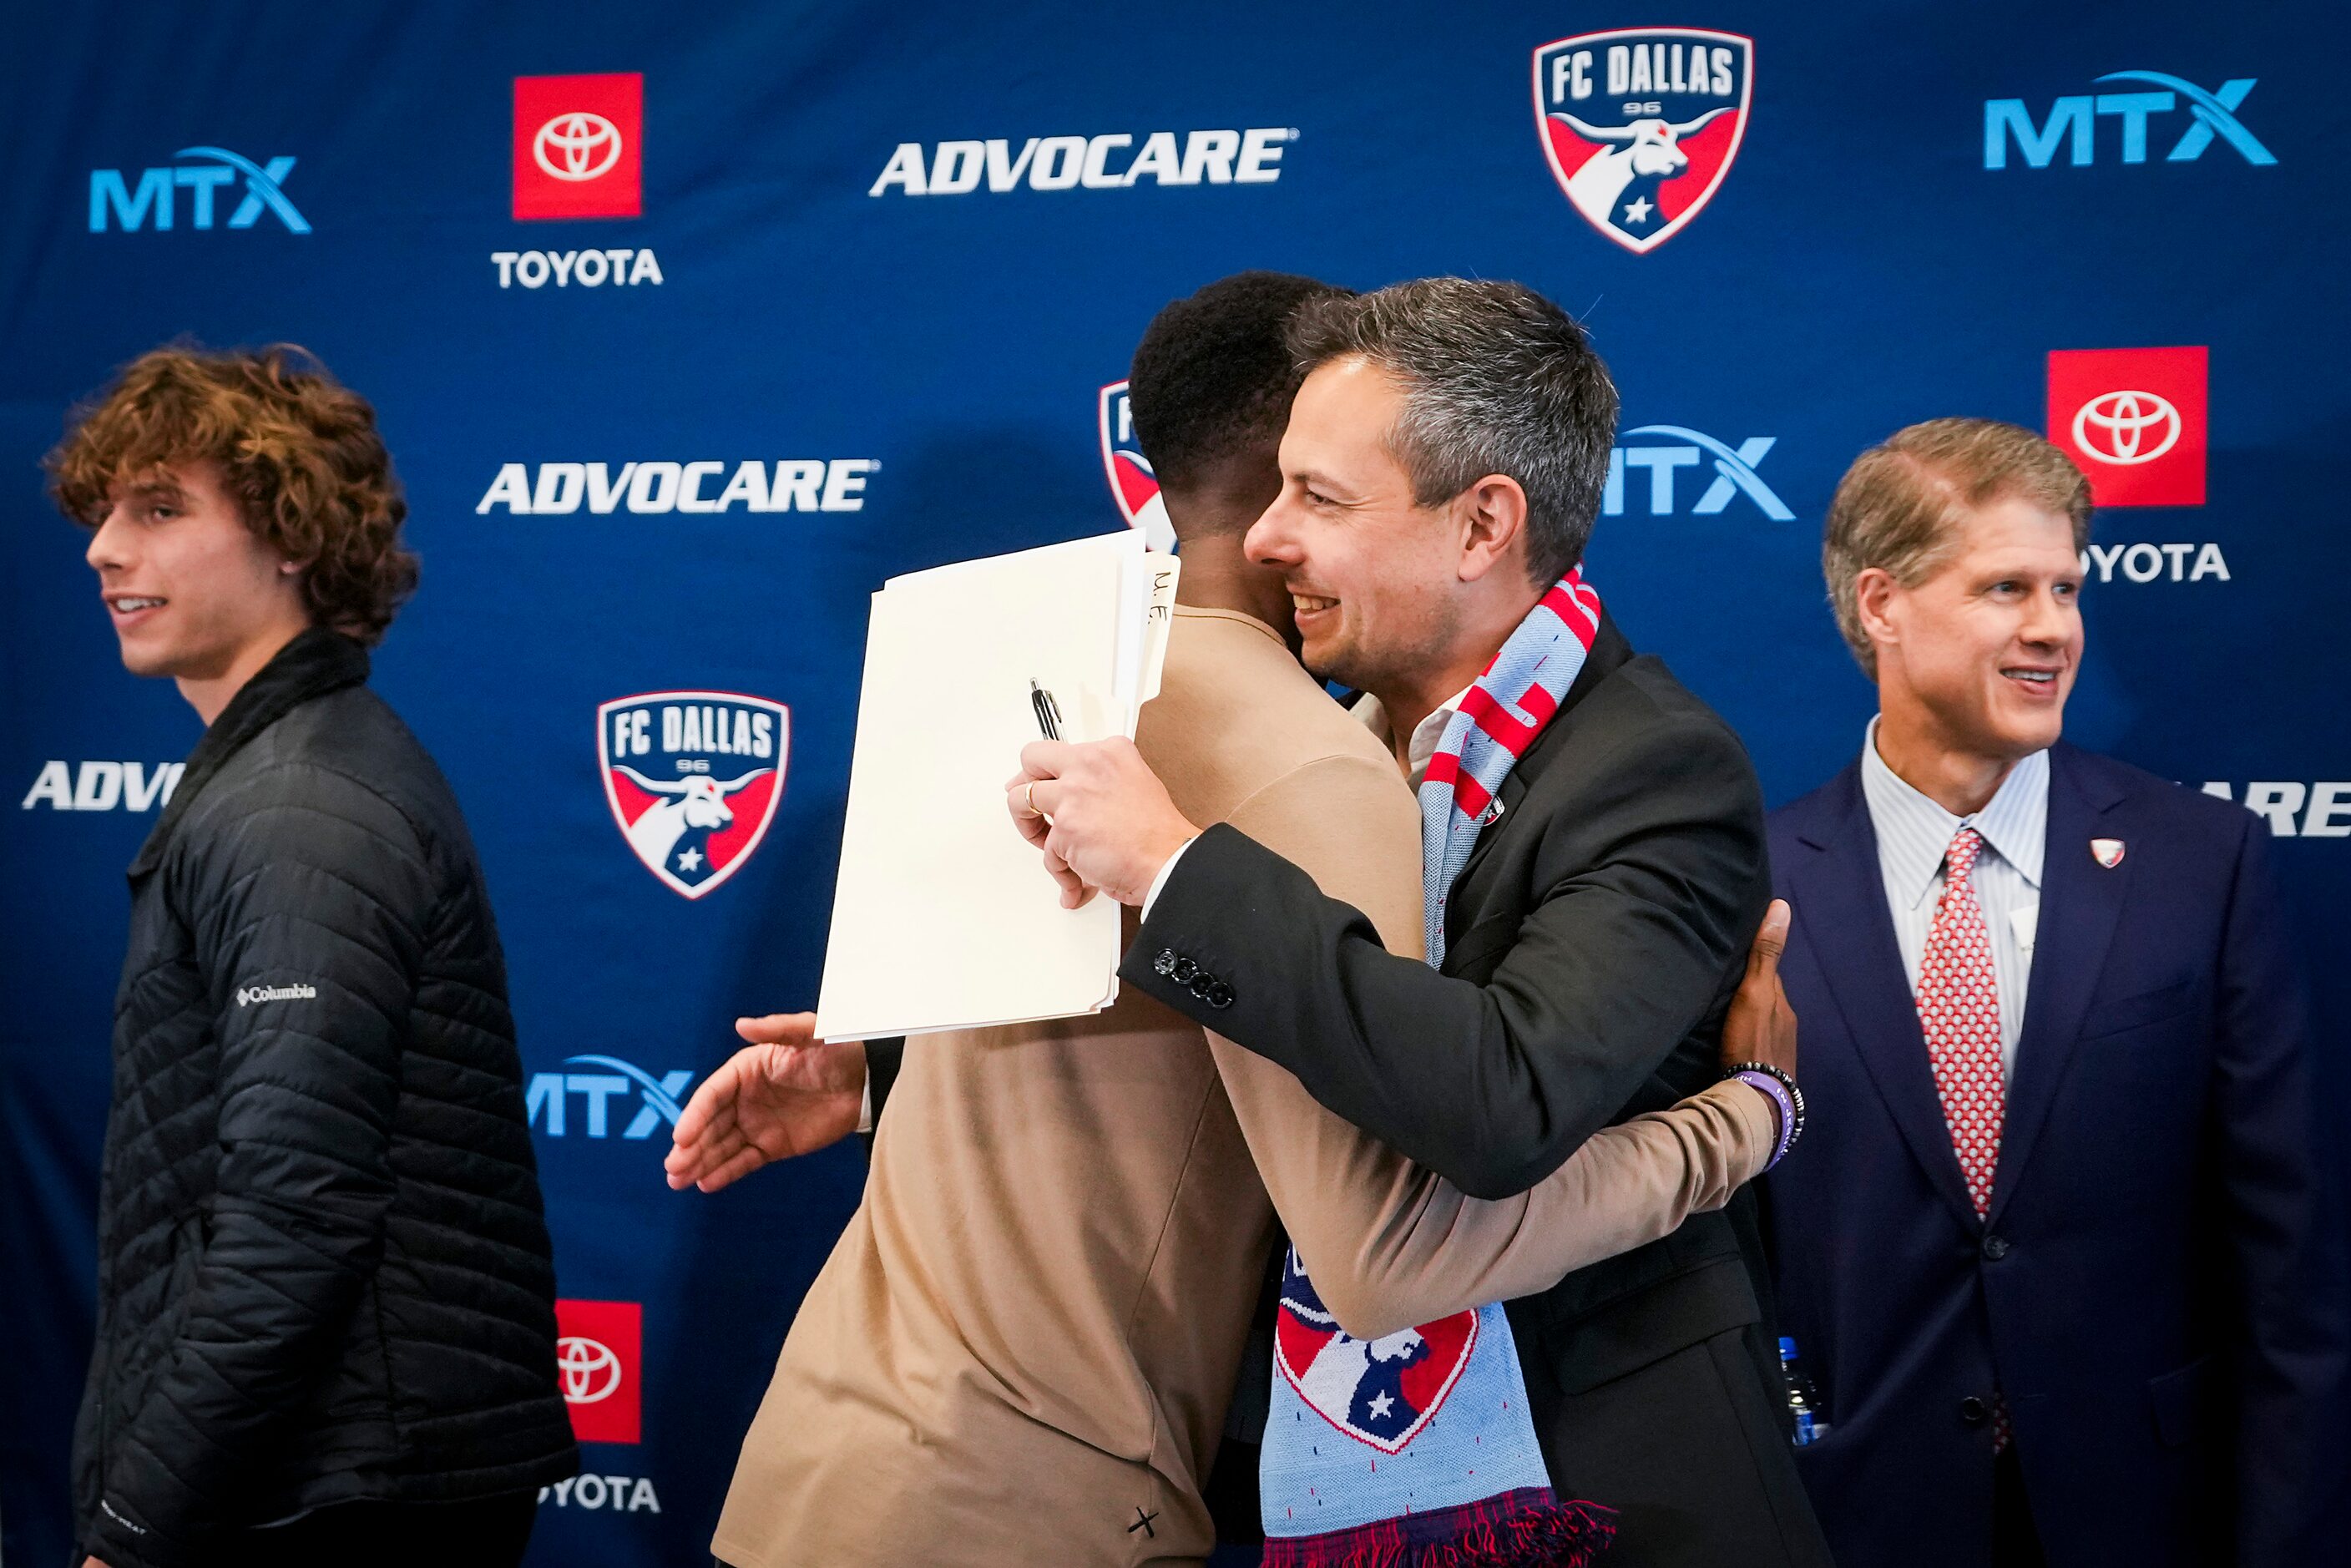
1442, 467
2059, 1259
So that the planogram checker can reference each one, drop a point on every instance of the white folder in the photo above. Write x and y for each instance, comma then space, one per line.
943, 915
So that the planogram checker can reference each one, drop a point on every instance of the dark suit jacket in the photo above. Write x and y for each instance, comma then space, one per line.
1593, 941
2155, 1289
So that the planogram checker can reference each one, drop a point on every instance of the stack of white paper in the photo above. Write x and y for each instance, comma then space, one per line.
944, 916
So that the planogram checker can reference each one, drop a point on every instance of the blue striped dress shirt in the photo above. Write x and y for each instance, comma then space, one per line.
1914, 835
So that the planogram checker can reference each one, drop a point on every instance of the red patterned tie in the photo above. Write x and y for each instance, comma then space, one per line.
1958, 1010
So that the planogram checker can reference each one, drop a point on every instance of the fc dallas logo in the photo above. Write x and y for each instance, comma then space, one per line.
692, 779
1641, 125
1133, 484
1377, 1391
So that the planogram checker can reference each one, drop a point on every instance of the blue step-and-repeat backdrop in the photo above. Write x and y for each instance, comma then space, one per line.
688, 325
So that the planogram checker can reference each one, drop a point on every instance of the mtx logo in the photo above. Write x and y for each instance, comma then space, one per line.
2073, 122
795, 485
576, 146
1133, 484
2134, 420
1250, 157
1641, 125
546, 1101
112, 196
104, 785
1667, 449
599, 1352
694, 779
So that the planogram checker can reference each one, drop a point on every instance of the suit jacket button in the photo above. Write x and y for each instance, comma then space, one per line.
1973, 1411
1995, 1248
1182, 970
1220, 994
1166, 962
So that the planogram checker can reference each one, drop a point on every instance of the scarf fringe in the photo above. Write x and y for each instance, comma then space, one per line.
1562, 1535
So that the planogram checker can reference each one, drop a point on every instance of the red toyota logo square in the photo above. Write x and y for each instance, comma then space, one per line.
2134, 420
599, 1354
577, 152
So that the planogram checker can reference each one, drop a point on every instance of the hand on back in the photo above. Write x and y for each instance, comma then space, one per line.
1760, 1025
786, 1094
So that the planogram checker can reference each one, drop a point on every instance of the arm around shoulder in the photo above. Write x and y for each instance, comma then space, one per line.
1391, 1243
1400, 1246
1654, 874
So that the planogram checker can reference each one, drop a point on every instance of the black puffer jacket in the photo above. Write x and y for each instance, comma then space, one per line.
323, 1265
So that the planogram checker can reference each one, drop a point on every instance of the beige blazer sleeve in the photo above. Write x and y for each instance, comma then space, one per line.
1389, 1243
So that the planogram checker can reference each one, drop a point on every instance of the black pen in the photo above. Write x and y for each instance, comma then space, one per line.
1049, 713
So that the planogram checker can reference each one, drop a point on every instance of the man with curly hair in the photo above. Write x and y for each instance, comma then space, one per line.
326, 1327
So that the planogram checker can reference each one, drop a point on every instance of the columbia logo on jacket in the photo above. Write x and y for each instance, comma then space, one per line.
249, 995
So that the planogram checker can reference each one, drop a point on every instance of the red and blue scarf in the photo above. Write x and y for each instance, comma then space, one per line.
1417, 1450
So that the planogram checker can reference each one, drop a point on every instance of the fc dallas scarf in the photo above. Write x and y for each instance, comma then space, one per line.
1417, 1450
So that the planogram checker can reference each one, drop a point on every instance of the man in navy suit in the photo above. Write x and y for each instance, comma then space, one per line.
2059, 1255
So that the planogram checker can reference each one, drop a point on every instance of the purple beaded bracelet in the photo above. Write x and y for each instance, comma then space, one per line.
1784, 1095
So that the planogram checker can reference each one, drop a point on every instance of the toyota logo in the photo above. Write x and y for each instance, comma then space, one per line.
2127, 427
590, 1371
577, 146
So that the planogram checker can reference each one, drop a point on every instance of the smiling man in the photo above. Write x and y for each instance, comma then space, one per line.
1023, 1347
1593, 868
325, 1324
2064, 1275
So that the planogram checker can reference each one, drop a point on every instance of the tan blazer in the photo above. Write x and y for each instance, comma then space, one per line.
1021, 1349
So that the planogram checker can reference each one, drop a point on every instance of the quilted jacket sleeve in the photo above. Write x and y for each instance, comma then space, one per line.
308, 894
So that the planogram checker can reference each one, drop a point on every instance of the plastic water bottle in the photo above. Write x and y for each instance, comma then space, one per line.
1803, 1399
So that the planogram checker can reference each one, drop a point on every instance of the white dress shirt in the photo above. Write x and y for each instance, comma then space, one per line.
1913, 836
1425, 735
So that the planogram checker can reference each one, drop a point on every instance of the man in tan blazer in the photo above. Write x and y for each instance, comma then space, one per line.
1022, 1347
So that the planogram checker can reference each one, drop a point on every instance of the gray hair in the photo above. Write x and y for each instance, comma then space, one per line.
1498, 379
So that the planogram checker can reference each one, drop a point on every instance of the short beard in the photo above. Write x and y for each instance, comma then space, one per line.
1386, 668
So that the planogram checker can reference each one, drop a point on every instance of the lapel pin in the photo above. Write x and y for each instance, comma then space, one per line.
2108, 852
